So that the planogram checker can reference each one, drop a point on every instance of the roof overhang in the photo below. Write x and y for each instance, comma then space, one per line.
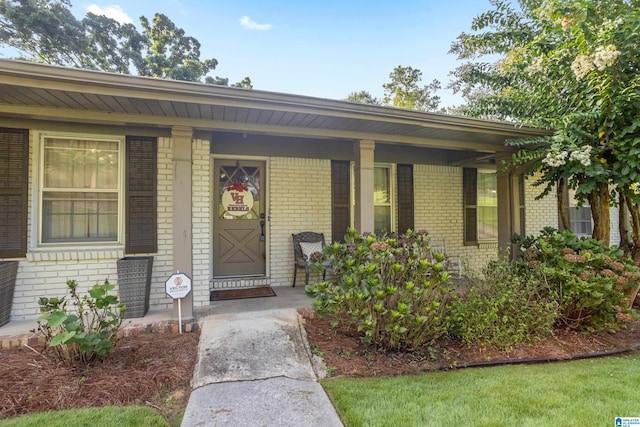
43, 92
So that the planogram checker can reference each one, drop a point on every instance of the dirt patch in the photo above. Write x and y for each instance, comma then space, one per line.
147, 369
345, 355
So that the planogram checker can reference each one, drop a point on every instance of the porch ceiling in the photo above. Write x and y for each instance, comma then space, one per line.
35, 91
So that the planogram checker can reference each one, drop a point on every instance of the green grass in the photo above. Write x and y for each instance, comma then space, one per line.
107, 416
582, 393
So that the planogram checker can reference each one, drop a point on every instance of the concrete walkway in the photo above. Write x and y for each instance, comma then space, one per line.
254, 369
254, 366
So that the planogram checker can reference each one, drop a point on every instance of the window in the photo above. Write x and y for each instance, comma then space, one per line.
386, 207
382, 199
480, 206
487, 206
579, 216
81, 182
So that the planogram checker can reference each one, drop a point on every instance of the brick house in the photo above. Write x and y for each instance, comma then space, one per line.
99, 166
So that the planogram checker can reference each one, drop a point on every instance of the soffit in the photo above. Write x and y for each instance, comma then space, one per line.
53, 93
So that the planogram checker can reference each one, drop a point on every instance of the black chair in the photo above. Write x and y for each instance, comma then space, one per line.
301, 259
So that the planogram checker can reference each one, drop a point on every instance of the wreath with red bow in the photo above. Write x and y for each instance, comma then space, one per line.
237, 187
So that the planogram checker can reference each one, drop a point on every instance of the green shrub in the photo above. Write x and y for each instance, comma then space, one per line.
595, 285
84, 331
508, 305
389, 289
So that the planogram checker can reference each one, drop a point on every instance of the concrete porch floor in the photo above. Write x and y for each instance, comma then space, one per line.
16, 332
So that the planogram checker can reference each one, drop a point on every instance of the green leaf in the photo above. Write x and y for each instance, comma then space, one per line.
96, 292
62, 338
56, 319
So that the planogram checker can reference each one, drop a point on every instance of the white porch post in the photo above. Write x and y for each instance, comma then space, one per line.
182, 214
363, 217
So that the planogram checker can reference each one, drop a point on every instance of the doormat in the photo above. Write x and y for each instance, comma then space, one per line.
257, 292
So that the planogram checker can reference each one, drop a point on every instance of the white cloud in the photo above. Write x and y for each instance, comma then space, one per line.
114, 12
250, 24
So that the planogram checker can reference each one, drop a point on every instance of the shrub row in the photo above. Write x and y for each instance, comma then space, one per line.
394, 293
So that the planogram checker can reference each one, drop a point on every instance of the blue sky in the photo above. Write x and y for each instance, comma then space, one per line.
318, 48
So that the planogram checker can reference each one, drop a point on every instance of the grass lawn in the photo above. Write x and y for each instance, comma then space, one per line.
108, 416
583, 393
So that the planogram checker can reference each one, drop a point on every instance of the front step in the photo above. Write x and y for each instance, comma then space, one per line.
239, 282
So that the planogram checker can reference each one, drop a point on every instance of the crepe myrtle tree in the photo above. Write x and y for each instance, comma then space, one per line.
570, 66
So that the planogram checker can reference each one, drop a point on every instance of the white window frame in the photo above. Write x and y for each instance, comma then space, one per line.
392, 192
120, 140
572, 206
478, 205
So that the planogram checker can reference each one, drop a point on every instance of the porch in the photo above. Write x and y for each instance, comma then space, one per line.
324, 165
17, 333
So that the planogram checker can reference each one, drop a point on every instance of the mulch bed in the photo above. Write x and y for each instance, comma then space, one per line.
146, 369
156, 369
345, 355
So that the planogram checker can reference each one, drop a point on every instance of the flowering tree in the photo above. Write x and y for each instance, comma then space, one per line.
570, 66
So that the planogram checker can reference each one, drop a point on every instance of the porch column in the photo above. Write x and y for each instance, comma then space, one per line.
364, 185
182, 235
507, 210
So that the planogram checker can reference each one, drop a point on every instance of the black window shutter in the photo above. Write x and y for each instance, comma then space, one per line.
470, 200
340, 199
405, 197
141, 201
14, 179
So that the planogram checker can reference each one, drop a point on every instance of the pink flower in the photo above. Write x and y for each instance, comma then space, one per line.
616, 266
572, 258
607, 273
379, 246
316, 256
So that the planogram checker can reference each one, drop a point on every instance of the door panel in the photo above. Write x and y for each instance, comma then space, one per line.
238, 220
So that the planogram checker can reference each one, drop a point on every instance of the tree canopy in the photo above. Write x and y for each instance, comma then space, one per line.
570, 66
403, 91
46, 31
363, 97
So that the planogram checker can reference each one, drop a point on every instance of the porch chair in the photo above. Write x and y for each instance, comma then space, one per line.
304, 244
452, 263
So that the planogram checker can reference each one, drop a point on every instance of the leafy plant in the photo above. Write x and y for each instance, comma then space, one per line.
391, 290
595, 285
506, 306
83, 327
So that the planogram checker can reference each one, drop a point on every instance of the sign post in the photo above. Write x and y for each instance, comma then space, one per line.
178, 286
